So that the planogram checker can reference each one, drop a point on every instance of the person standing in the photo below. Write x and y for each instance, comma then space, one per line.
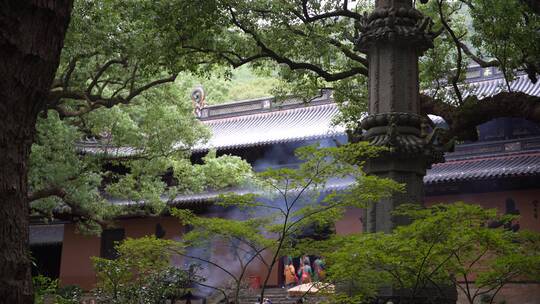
305, 273
290, 274
319, 269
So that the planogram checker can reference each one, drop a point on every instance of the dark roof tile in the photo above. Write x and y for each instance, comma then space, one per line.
526, 163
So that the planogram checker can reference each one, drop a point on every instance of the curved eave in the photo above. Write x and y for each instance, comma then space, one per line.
511, 165
273, 127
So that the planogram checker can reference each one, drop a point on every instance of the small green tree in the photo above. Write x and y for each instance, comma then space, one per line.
47, 288
444, 243
142, 273
283, 203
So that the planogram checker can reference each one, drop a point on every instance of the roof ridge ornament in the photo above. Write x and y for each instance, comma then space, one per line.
198, 98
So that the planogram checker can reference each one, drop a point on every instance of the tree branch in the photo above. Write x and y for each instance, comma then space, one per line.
64, 81
235, 62
343, 12
483, 63
457, 76
97, 101
102, 70
47, 192
464, 119
339, 45
75, 209
293, 65
150, 85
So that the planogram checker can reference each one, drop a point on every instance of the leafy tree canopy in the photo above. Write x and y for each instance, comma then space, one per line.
314, 45
115, 86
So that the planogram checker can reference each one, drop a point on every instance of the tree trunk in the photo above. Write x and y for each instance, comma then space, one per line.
31, 39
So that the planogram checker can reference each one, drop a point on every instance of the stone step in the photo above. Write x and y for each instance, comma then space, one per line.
251, 300
291, 300
274, 301
276, 295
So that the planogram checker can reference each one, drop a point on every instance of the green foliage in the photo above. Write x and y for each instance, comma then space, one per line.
438, 66
222, 172
157, 133
243, 83
45, 287
496, 33
142, 273
115, 84
284, 203
444, 243
311, 45
506, 30
327, 45
145, 33
55, 163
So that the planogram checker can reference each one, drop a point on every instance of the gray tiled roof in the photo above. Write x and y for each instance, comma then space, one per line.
306, 122
297, 123
46, 234
484, 161
494, 167
265, 121
493, 86
470, 162
246, 124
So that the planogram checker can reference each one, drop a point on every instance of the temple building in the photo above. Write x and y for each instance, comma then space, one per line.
501, 170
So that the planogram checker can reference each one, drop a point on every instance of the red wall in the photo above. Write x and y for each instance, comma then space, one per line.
77, 249
75, 267
523, 199
528, 293
351, 222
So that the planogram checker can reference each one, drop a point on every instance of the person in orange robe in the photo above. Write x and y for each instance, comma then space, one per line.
290, 275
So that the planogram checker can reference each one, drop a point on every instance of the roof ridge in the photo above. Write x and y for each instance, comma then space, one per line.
489, 157
266, 113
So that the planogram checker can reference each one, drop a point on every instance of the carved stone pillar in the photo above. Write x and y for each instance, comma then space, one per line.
394, 36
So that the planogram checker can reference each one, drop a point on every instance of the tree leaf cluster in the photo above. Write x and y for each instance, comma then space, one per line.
451, 243
115, 92
142, 273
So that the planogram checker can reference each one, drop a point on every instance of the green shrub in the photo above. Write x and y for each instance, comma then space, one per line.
141, 274
46, 287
